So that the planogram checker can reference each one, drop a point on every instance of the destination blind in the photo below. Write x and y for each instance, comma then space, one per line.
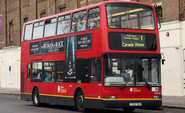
133, 40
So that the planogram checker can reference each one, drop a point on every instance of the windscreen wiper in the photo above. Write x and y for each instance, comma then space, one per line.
125, 84
147, 85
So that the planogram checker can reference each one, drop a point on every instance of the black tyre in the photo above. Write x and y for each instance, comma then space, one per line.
36, 97
80, 101
128, 110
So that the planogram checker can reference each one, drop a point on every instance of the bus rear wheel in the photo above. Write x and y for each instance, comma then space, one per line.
128, 110
80, 101
36, 97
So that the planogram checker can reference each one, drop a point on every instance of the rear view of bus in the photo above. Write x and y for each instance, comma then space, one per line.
131, 61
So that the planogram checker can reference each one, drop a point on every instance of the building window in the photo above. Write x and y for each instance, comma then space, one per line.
11, 31
43, 14
62, 8
26, 19
83, 3
159, 13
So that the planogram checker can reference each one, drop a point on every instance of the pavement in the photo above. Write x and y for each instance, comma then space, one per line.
9, 91
167, 101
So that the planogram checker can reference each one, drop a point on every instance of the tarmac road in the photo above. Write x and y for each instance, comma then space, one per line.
13, 104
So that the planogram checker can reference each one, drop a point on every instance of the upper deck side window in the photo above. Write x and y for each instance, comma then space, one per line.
50, 27
28, 32
38, 30
93, 18
47, 28
78, 21
63, 24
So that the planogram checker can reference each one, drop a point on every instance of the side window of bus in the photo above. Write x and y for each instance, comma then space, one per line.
50, 27
28, 32
36, 70
59, 71
38, 30
93, 18
95, 76
78, 21
49, 71
28, 71
63, 24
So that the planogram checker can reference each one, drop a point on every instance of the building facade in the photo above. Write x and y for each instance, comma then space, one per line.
16, 12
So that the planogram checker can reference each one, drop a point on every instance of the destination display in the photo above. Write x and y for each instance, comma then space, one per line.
130, 40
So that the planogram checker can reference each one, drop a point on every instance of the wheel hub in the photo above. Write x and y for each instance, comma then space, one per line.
36, 99
81, 100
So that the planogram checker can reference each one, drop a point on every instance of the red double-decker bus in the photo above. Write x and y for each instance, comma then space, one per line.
106, 55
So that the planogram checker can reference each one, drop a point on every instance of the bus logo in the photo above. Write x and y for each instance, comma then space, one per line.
131, 89
61, 89
135, 90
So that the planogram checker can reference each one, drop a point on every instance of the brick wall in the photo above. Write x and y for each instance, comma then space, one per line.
170, 8
3, 24
182, 10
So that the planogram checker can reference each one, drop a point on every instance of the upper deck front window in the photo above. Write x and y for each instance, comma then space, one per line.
130, 16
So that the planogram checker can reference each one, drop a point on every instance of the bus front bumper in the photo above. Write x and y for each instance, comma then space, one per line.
123, 103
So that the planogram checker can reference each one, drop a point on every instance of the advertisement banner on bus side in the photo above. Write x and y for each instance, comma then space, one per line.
48, 46
84, 41
81, 42
70, 57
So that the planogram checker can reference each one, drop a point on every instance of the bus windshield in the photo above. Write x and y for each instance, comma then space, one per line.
131, 70
130, 16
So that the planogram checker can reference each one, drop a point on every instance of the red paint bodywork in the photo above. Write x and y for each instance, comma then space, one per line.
100, 46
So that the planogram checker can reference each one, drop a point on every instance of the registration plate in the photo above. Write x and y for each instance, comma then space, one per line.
135, 104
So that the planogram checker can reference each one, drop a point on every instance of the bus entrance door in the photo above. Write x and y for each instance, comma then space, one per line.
27, 78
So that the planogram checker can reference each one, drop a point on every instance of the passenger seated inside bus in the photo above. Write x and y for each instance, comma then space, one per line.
48, 78
60, 76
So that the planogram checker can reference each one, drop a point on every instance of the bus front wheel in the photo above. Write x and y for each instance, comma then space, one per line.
80, 101
36, 97
128, 110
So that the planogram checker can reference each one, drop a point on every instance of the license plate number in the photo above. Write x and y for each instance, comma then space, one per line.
135, 104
